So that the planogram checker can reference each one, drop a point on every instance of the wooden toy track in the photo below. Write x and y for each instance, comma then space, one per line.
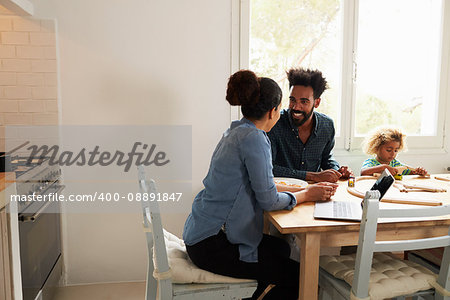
443, 178
428, 202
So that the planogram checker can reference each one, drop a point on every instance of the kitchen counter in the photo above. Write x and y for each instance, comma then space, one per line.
6, 180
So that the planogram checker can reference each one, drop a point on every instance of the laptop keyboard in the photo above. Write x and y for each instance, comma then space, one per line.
341, 209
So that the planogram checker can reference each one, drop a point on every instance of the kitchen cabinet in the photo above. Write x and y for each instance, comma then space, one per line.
9, 266
5, 257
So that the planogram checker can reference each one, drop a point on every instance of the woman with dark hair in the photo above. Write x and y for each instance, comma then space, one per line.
224, 232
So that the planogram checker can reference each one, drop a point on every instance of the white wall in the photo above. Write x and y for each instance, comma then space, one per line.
138, 62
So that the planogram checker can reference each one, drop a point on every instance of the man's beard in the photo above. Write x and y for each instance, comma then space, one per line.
306, 116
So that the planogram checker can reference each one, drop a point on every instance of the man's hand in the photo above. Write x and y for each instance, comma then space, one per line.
345, 171
320, 192
329, 175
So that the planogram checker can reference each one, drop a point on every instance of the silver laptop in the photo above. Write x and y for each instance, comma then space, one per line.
347, 210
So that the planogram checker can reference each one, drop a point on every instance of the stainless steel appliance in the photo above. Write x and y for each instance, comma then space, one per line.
39, 226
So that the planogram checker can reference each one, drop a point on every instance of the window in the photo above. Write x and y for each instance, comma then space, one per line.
284, 34
397, 65
382, 60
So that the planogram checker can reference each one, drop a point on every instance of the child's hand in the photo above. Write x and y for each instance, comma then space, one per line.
391, 169
420, 171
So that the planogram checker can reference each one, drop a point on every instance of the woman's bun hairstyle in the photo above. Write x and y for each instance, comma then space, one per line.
256, 95
243, 88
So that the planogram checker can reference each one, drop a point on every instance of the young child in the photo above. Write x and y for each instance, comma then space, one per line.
385, 143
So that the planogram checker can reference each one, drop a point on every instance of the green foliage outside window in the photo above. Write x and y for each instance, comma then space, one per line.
307, 33
292, 33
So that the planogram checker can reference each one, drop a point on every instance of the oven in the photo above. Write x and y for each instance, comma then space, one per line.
39, 227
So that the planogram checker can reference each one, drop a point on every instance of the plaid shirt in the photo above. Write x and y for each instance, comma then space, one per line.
292, 158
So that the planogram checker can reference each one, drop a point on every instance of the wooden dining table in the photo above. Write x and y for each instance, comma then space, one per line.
312, 234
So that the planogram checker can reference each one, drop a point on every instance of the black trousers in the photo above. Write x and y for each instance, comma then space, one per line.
216, 254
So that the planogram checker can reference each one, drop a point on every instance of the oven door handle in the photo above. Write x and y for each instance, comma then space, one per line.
36, 215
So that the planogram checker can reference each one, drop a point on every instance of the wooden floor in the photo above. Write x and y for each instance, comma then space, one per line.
108, 291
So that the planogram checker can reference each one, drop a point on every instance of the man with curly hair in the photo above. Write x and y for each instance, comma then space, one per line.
303, 140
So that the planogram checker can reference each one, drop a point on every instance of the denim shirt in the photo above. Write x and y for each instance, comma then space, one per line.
238, 187
292, 158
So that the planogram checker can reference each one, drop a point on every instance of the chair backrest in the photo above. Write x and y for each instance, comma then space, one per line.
367, 243
155, 240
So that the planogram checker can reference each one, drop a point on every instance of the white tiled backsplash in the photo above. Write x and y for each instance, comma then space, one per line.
28, 81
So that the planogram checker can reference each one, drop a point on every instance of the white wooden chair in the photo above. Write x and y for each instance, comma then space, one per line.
336, 289
159, 281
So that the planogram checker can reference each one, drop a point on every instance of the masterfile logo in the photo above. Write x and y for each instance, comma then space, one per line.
148, 156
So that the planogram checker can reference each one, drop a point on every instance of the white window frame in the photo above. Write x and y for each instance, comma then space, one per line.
348, 142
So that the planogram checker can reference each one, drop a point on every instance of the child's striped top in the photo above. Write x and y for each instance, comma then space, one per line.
372, 162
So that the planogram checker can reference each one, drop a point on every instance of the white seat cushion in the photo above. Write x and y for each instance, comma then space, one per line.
183, 270
390, 276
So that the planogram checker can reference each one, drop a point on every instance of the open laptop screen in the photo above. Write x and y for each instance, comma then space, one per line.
351, 210
383, 183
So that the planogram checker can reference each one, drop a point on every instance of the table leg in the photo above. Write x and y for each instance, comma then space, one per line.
309, 244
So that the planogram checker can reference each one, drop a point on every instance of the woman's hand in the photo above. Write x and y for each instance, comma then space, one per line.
333, 186
288, 188
320, 192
